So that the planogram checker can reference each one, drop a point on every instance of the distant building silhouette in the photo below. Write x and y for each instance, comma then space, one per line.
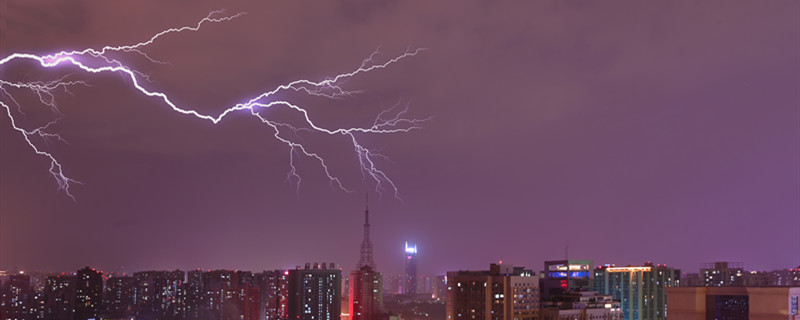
722, 274
440, 288
775, 278
395, 284
691, 280
410, 276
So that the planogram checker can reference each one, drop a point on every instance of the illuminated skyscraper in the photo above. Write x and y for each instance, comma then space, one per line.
366, 284
642, 290
410, 277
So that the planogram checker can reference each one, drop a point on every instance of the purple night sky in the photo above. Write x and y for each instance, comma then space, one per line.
632, 131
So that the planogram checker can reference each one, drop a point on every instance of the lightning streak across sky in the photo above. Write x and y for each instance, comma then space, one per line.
93, 61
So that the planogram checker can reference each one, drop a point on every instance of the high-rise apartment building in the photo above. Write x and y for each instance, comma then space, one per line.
160, 293
225, 293
315, 293
501, 293
194, 295
640, 289
250, 302
274, 294
722, 274
60, 297
365, 294
88, 294
15, 298
229, 295
410, 276
119, 297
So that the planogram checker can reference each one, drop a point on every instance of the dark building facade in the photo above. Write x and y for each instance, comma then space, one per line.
562, 276
16, 298
60, 297
722, 274
88, 294
274, 294
366, 294
315, 292
119, 297
159, 294
501, 293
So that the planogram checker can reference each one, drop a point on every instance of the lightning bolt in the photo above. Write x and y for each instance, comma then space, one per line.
93, 61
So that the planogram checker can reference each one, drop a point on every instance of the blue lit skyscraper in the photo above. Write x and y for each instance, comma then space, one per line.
410, 277
640, 289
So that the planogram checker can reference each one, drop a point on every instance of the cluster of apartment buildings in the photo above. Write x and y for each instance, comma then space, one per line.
563, 290
198, 294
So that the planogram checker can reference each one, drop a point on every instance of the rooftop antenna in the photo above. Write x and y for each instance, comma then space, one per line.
366, 246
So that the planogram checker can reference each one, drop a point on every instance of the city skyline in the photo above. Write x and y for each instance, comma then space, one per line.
627, 132
317, 291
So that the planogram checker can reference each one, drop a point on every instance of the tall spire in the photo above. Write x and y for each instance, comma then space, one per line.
366, 244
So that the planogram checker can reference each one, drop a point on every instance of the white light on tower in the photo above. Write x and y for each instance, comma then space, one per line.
411, 250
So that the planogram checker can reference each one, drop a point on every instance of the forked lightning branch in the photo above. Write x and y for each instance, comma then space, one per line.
107, 60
